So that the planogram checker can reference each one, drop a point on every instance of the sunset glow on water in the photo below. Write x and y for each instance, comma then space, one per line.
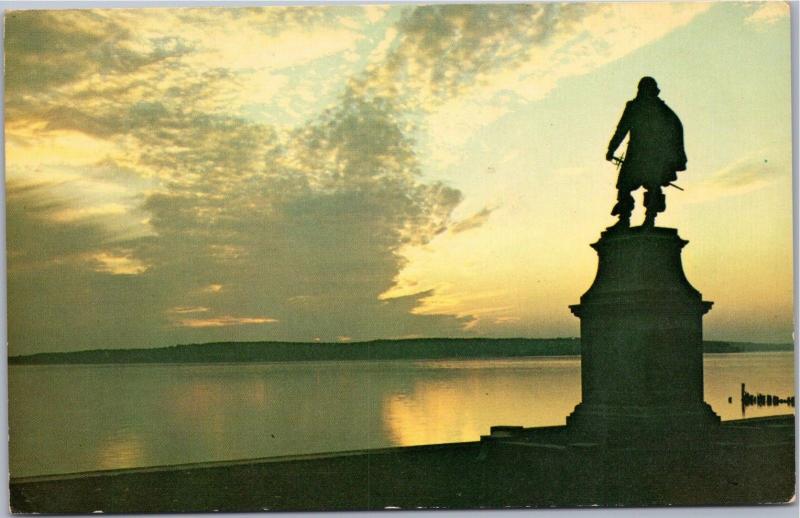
83, 418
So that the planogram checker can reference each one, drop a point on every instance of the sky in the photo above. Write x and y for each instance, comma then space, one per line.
189, 175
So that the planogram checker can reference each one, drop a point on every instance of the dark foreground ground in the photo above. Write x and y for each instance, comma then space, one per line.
743, 462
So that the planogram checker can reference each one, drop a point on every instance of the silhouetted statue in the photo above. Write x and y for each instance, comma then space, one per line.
655, 152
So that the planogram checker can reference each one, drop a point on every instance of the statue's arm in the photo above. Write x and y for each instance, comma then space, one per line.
619, 135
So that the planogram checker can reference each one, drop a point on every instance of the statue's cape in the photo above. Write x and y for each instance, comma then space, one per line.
655, 149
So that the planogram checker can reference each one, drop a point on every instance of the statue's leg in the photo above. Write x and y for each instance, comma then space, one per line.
654, 202
623, 208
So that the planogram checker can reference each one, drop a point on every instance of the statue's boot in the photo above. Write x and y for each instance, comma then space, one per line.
654, 202
623, 209
621, 224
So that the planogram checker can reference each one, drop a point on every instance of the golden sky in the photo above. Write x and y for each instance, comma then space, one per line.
349, 173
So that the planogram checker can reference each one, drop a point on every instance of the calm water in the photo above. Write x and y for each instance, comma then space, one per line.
81, 418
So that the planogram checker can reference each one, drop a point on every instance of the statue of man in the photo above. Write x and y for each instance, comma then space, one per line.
655, 152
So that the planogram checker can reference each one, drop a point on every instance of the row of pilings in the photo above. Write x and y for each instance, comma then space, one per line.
759, 399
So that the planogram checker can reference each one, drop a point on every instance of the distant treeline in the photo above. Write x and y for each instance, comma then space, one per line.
412, 349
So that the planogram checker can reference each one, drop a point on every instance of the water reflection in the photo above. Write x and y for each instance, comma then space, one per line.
124, 451
428, 415
464, 399
69, 418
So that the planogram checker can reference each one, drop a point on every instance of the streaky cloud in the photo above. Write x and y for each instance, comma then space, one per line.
476, 220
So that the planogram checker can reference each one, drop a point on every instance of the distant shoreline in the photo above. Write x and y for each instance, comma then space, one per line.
408, 349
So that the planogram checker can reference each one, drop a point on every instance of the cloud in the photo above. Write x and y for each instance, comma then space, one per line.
747, 173
375, 13
73, 214
769, 12
117, 263
102, 58
440, 51
35, 240
742, 176
59, 297
223, 321
242, 184
48, 50
474, 221
42, 47
244, 221
182, 310
463, 67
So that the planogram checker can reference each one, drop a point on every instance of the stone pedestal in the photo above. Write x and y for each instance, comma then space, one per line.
641, 340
